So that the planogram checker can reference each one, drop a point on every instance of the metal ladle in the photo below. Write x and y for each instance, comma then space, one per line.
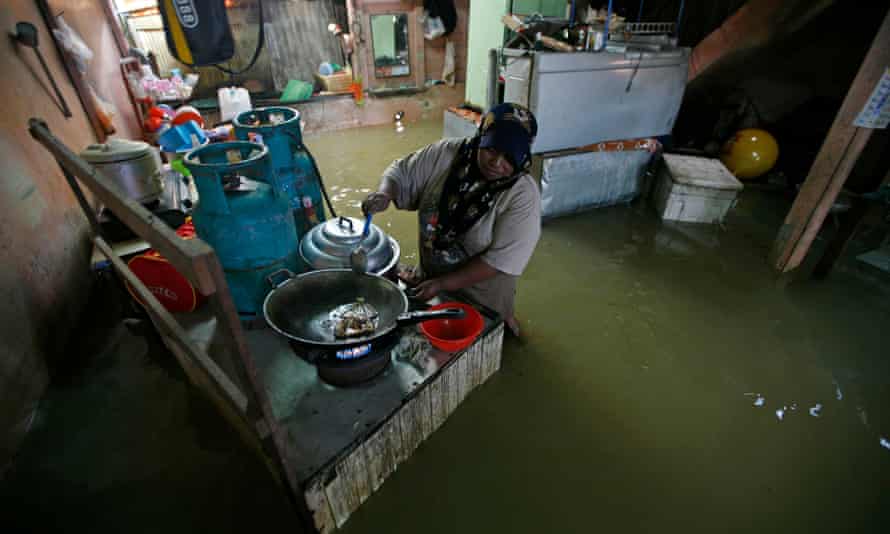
26, 34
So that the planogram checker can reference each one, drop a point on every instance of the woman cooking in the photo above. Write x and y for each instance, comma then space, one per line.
479, 210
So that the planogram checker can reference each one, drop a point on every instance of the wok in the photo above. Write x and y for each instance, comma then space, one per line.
299, 308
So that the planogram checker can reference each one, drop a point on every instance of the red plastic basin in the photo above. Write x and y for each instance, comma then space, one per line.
452, 335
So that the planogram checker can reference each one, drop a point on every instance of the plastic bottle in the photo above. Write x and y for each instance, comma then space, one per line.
309, 212
232, 101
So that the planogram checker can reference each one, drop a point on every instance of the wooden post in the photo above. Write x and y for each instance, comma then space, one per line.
834, 162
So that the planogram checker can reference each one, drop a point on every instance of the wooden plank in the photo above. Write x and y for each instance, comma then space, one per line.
232, 335
333, 494
453, 378
438, 400
834, 162
177, 251
300, 26
415, 422
339, 494
475, 365
497, 346
350, 486
463, 380
354, 475
492, 348
122, 46
190, 358
382, 452
317, 502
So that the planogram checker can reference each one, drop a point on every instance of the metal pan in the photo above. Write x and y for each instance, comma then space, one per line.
300, 307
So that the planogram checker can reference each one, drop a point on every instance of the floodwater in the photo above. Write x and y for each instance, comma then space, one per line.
664, 382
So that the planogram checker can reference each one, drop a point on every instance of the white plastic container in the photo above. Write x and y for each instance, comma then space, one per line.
232, 101
695, 189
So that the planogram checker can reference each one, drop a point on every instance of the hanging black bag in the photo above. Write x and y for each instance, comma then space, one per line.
198, 32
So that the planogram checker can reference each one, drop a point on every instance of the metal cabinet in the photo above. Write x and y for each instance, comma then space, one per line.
584, 98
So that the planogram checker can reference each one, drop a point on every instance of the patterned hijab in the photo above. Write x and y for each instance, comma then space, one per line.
467, 195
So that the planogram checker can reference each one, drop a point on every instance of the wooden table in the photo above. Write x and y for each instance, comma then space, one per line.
343, 442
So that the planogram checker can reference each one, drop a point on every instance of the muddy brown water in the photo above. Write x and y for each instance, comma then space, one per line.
665, 382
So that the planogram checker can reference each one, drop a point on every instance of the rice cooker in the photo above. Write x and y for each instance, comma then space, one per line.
134, 166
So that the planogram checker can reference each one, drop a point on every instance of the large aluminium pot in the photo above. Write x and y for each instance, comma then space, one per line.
300, 309
134, 166
328, 246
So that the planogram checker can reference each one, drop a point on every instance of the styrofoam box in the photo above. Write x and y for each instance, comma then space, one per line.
695, 189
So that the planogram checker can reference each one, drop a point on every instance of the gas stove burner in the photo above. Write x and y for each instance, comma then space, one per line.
351, 366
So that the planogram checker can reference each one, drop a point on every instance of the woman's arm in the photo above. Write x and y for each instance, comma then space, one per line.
379, 200
405, 179
475, 271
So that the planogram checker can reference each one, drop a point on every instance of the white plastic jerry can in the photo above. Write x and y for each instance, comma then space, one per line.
232, 101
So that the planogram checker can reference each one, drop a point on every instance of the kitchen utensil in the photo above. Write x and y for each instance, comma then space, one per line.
329, 245
134, 166
358, 258
452, 335
299, 308
26, 35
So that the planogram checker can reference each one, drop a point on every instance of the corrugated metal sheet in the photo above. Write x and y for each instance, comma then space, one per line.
297, 41
148, 32
298, 38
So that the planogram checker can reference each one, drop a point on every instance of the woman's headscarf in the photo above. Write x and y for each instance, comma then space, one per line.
466, 194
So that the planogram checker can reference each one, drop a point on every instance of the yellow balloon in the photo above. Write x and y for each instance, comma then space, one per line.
750, 153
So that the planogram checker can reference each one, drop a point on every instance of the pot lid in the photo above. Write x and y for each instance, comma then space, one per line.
115, 150
328, 245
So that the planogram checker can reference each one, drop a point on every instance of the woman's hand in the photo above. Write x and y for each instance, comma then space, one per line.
428, 289
376, 202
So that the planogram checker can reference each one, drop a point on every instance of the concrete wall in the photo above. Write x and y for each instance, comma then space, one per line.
485, 32
434, 51
43, 241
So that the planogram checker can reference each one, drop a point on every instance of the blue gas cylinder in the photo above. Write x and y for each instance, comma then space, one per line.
279, 129
244, 216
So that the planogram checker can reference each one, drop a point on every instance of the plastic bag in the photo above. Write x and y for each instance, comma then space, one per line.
433, 27
73, 44
105, 111
448, 71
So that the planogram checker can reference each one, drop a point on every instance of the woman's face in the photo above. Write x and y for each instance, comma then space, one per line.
493, 164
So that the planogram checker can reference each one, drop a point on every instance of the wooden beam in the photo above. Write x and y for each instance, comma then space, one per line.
754, 24
114, 21
267, 428
179, 252
834, 162
198, 366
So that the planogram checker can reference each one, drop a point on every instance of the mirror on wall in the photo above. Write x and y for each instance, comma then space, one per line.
389, 37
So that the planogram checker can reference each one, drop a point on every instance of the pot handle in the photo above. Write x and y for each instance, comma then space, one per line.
272, 278
421, 316
341, 219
